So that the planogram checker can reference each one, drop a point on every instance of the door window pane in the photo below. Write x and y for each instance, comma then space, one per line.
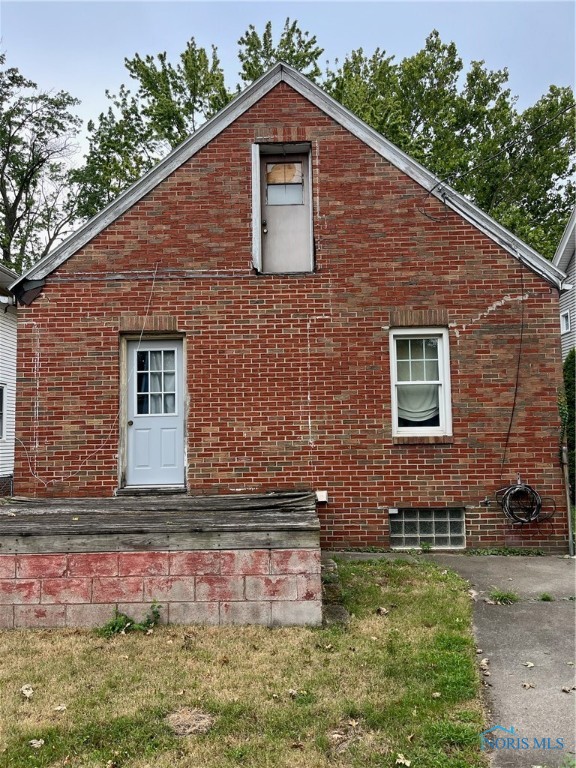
156, 382
284, 184
155, 361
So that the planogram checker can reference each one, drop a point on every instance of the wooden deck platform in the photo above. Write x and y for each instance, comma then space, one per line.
124, 523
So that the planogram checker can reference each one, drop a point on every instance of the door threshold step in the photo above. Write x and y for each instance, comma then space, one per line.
147, 490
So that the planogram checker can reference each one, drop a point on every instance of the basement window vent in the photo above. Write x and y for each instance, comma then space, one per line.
437, 528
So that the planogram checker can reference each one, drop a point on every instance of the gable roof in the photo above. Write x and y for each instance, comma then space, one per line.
567, 245
7, 276
253, 93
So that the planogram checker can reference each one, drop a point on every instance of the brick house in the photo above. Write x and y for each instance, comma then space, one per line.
288, 302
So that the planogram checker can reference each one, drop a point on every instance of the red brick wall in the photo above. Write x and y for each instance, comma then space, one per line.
271, 587
288, 378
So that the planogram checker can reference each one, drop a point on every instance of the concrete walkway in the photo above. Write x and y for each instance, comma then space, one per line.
541, 633
529, 699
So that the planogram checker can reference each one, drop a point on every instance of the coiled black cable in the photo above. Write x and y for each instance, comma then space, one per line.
520, 503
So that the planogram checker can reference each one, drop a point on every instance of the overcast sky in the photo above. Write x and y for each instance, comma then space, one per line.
80, 46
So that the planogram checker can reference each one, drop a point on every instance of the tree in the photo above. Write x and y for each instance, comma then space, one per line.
461, 124
139, 129
37, 204
518, 167
296, 48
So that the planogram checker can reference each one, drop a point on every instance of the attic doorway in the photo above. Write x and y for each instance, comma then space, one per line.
152, 433
282, 209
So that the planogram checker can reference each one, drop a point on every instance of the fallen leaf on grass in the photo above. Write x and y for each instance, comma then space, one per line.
297, 745
27, 691
60, 708
382, 611
36, 743
401, 760
436, 695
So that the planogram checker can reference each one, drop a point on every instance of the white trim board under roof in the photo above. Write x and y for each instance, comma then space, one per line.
567, 245
7, 276
253, 93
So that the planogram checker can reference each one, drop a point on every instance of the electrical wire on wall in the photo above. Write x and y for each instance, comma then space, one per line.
517, 376
522, 504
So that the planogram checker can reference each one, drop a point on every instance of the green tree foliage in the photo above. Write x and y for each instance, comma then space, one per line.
569, 392
296, 48
139, 129
463, 126
37, 203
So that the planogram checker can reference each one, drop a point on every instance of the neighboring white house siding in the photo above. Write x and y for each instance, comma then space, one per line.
568, 304
8, 380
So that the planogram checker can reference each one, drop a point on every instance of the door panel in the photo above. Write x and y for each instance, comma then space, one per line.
155, 443
286, 214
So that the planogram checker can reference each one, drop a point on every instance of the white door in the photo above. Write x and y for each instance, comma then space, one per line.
155, 414
286, 214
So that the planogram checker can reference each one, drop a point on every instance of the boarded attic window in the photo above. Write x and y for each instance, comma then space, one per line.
284, 184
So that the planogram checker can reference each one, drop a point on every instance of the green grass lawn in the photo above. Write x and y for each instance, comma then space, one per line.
397, 686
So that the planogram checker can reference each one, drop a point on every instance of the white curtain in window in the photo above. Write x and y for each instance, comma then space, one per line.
418, 402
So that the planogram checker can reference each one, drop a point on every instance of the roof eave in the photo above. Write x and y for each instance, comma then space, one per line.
242, 102
567, 244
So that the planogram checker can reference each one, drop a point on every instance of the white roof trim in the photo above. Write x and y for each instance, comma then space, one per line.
239, 105
7, 276
567, 244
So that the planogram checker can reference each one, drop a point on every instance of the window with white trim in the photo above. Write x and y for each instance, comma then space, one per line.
565, 322
420, 372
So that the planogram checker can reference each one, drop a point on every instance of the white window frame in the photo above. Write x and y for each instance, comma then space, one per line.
445, 391
565, 324
258, 152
